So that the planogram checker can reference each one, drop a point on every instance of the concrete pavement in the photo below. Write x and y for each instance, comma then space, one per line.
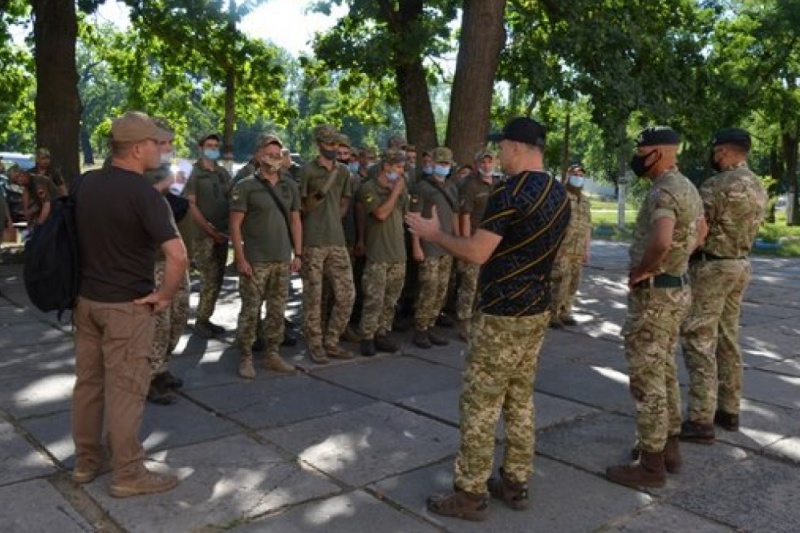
358, 445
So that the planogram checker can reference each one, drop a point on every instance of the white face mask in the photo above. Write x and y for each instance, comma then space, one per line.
577, 181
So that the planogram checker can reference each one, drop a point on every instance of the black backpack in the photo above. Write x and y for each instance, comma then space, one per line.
52, 257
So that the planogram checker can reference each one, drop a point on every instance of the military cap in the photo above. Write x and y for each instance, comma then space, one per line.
369, 152
42, 152
326, 134
396, 141
135, 126
736, 136
442, 153
658, 135
575, 166
521, 129
208, 135
393, 156
265, 139
343, 140
483, 154
164, 125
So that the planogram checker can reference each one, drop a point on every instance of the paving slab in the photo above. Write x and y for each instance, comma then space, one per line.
790, 367
661, 518
31, 334
11, 314
36, 395
348, 513
563, 499
770, 388
758, 494
36, 507
780, 337
367, 444
222, 483
280, 401
27, 361
761, 425
756, 314
598, 386
19, 460
453, 356
787, 449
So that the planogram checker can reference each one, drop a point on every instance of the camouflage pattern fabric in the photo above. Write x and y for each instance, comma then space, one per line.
332, 264
468, 289
382, 284
169, 323
566, 279
270, 284
434, 278
567, 268
210, 260
501, 368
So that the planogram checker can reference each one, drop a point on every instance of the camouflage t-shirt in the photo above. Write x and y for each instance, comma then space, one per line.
574, 244
673, 196
322, 225
211, 188
425, 196
385, 243
734, 201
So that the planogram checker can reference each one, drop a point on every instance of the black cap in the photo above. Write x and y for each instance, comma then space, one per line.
736, 136
521, 129
657, 135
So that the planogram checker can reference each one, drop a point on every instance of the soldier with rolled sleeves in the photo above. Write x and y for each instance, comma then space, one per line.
325, 191
734, 201
266, 231
574, 251
385, 201
38, 194
668, 227
474, 193
434, 262
207, 191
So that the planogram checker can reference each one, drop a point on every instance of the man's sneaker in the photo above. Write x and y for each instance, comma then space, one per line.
274, 362
246, 369
368, 347
445, 321
204, 329
318, 355
421, 339
698, 433
337, 352
437, 339
567, 320
727, 421
515, 495
289, 338
384, 344
148, 482
259, 345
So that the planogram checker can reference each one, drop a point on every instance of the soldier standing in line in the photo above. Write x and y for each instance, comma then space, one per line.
207, 191
669, 226
38, 193
325, 190
434, 262
384, 200
574, 251
734, 201
44, 167
265, 230
473, 196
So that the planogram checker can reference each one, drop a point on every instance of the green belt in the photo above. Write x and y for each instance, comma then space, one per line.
663, 281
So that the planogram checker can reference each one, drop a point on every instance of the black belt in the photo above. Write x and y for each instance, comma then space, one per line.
700, 255
663, 281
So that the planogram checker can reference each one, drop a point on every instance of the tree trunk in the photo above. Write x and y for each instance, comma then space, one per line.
482, 39
230, 86
86, 147
415, 101
789, 140
55, 30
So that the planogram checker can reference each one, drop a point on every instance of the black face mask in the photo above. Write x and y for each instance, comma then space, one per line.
638, 165
328, 154
713, 163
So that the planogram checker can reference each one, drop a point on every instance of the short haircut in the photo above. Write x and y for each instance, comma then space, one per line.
120, 148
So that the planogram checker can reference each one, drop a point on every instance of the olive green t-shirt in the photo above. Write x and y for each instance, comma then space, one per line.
385, 243
264, 229
211, 187
41, 190
473, 194
246, 171
425, 196
322, 225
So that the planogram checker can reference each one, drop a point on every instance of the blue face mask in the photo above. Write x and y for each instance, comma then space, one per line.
441, 170
353, 166
577, 181
427, 169
392, 175
211, 153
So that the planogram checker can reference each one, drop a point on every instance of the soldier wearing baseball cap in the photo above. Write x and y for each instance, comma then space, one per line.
521, 129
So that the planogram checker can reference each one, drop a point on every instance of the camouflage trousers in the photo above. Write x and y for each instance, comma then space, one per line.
711, 337
210, 260
467, 290
566, 278
651, 336
501, 368
329, 264
170, 323
270, 284
434, 277
382, 284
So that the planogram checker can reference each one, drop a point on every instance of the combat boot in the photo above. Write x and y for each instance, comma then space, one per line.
159, 393
727, 421
697, 433
170, 381
567, 320
648, 471
368, 347
673, 462
384, 344
148, 482
274, 362
317, 354
515, 495
437, 339
444, 321
246, 369
337, 352
460, 504
463, 329
421, 339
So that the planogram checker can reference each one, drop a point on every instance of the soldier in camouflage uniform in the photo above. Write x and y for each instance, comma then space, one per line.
669, 225
434, 262
264, 235
574, 251
473, 195
734, 202
516, 243
384, 200
207, 191
44, 167
171, 322
325, 190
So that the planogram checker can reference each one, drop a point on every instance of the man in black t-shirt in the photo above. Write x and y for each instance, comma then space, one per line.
121, 221
525, 220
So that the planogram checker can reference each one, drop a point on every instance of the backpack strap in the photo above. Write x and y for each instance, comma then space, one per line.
447, 197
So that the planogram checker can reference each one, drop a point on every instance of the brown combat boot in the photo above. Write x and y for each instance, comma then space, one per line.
672, 455
274, 362
148, 482
460, 504
515, 495
648, 471
727, 421
697, 433
246, 369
